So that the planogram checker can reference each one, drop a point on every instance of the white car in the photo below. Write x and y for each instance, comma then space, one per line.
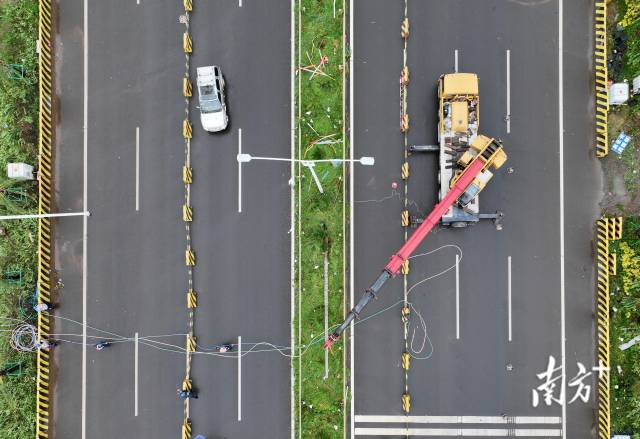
213, 110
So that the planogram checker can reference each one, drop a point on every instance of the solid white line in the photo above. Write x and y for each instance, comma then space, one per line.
469, 432
458, 419
457, 297
137, 373
137, 168
561, 165
239, 378
509, 294
292, 283
240, 3
352, 265
85, 110
239, 171
508, 118
456, 60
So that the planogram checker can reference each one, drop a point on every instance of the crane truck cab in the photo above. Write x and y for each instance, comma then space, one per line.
211, 97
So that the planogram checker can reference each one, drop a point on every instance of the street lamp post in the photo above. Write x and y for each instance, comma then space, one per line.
309, 164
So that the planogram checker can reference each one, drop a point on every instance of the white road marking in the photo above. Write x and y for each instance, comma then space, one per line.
85, 111
352, 267
137, 373
292, 283
458, 419
240, 3
508, 117
509, 294
239, 378
239, 171
468, 432
137, 169
456, 61
561, 164
457, 297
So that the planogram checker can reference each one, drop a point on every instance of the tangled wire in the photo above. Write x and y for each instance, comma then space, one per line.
24, 338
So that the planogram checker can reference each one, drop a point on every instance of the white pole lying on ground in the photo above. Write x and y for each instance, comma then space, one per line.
43, 215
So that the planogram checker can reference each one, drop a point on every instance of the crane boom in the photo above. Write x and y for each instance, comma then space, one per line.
485, 153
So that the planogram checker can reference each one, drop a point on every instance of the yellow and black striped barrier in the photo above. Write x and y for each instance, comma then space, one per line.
607, 229
602, 88
45, 184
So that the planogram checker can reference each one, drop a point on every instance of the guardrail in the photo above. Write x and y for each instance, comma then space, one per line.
602, 88
607, 229
187, 213
45, 180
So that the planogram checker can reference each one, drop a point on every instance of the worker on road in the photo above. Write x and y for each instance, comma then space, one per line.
227, 347
103, 344
43, 307
46, 344
185, 394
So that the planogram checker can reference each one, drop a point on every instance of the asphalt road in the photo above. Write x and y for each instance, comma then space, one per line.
470, 376
136, 277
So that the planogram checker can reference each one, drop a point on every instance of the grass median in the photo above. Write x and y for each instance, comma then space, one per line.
319, 387
18, 239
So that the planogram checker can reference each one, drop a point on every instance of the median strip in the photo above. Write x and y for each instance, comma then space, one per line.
320, 217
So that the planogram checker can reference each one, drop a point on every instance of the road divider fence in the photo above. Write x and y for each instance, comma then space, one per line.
45, 184
607, 229
602, 86
187, 214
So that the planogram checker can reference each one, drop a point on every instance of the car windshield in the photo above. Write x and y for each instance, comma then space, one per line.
208, 100
210, 105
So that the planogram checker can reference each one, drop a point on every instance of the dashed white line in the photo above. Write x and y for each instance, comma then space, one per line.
508, 116
137, 169
457, 297
137, 373
239, 378
509, 294
455, 54
239, 170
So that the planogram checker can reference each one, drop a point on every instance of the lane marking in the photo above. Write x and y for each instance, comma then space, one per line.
457, 297
459, 419
85, 116
509, 294
137, 169
292, 207
508, 116
456, 60
137, 373
240, 3
469, 432
351, 217
561, 164
239, 378
239, 171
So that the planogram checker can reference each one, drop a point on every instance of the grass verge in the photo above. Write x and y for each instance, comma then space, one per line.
625, 325
320, 217
18, 242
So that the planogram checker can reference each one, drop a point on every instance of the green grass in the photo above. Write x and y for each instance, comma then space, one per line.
625, 325
321, 225
18, 249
